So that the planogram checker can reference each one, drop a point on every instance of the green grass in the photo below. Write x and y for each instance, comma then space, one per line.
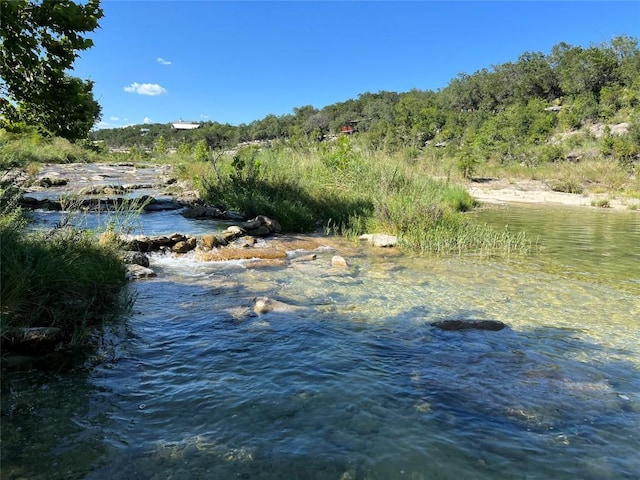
349, 190
23, 149
59, 278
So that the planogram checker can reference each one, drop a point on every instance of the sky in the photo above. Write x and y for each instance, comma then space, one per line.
238, 61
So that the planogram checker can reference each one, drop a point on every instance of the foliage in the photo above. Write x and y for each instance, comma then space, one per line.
28, 146
467, 163
39, 43
60, 278
525, 116
370, 192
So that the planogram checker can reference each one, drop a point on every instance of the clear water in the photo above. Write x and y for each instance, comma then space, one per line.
355, 384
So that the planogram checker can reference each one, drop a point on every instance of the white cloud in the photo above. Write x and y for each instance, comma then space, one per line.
162, 61
203, 116
114, 118
151, 89
147, 120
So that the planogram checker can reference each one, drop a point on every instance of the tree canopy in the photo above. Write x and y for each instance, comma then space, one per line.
39, 41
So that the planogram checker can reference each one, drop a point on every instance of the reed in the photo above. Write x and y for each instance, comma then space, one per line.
347, 189
58, 278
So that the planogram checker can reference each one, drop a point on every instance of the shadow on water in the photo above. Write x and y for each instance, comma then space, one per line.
520, 403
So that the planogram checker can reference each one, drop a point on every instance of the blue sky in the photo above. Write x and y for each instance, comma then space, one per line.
235, 62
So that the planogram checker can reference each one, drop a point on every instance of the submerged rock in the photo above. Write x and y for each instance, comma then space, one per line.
338, 262
199, 211
457, 325
266, 305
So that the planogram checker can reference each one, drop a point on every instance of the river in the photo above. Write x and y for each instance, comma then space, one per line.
356, 384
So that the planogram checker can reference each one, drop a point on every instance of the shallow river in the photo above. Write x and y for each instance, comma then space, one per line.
356, 384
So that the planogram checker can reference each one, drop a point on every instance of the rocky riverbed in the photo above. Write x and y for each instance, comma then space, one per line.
151, 188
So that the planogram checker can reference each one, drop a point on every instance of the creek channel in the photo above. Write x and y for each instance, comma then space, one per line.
354, 382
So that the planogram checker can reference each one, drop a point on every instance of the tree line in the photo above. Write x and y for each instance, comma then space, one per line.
491, 111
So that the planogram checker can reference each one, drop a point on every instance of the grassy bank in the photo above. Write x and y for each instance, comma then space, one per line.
25, 148
59, 279
345, 188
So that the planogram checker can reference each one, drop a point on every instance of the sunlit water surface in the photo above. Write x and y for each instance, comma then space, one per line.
356, 384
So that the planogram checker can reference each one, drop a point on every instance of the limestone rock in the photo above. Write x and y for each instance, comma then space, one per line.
261, 226
135, 272
230, 215
251, 224
208, 242
52, 182
199, 211
136, 258
184, 246
266, 305
338, 262
261, 231
306, 258
232, 233
41, 334
380, 240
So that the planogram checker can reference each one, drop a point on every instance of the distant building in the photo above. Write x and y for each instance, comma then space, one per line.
349, 128
180, 125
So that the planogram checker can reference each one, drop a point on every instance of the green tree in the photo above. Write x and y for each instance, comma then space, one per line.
160, 145
39, 41
201, 151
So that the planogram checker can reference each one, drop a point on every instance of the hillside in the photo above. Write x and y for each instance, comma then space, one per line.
540, 108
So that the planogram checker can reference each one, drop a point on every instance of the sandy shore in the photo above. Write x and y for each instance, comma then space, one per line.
531, 191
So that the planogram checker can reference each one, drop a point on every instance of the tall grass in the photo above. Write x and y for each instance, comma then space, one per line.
350, 190
59, 278
56, 279
22, 149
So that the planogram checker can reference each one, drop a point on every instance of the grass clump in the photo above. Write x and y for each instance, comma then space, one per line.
344, 188
59, 278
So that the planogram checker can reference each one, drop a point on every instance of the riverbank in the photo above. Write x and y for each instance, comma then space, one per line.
502, 191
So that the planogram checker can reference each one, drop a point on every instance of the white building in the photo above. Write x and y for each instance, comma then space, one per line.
180, 125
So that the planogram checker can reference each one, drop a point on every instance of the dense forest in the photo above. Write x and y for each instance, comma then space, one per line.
496, 113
